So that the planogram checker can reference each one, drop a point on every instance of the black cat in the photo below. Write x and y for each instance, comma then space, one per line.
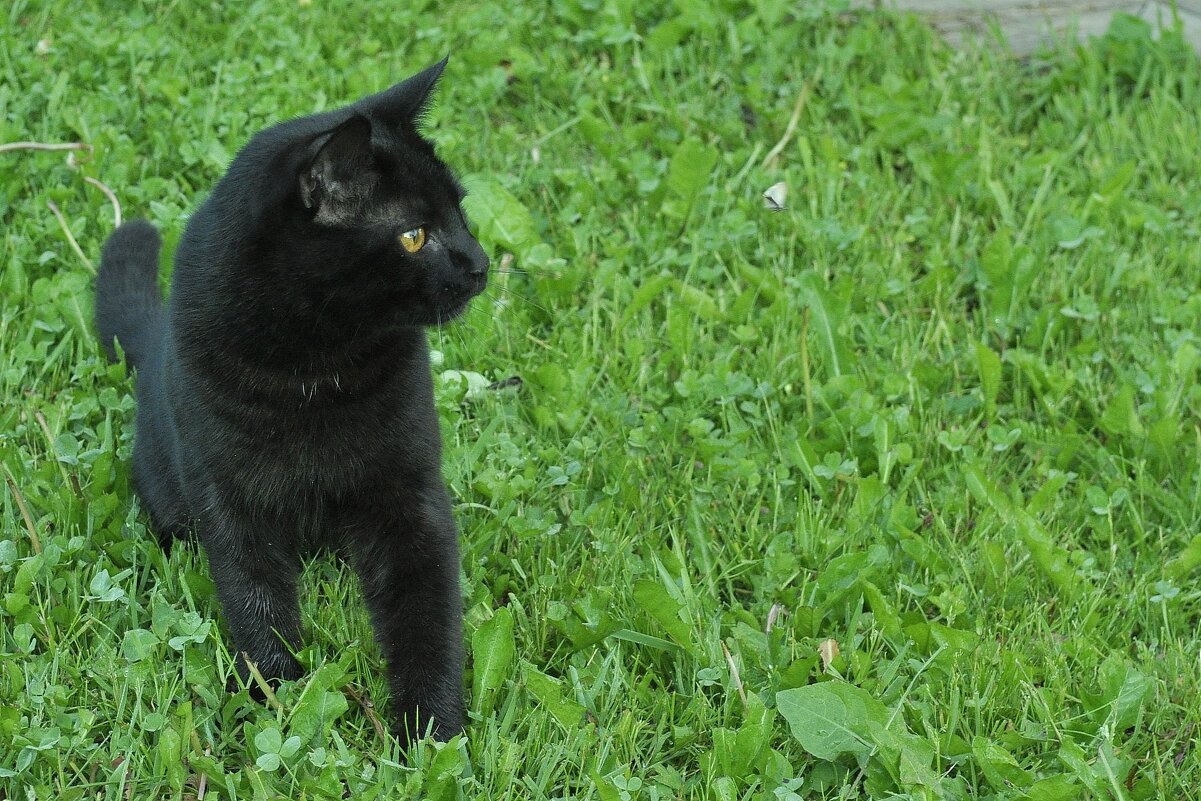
285, 401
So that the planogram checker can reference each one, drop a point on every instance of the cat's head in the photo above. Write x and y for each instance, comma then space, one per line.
365, 214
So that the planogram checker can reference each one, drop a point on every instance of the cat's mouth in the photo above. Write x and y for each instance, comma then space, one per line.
456, 299
453, 311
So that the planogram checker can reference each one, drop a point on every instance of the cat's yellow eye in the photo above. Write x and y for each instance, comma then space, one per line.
413, 241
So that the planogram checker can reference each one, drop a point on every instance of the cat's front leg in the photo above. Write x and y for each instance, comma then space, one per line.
407, 558
256, 572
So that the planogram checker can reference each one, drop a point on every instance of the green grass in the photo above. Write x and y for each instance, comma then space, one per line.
943, 410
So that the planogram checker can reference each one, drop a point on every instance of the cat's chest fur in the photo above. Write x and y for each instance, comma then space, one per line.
297, 441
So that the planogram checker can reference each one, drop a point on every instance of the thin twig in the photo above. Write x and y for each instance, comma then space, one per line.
20, 499
734, 673
71, 237
204, 779
112, 198
802, 99
44, 146
369, 709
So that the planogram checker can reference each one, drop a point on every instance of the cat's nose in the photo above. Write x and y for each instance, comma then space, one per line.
474, 264
479, 266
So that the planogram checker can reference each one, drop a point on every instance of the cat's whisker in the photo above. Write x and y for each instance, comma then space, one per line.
497, 303
453, 327
463, 339
480, 308
526, 298
438, 328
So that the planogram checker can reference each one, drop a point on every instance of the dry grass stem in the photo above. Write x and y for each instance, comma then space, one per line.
112, 198
24, 509
62, 222
10, 146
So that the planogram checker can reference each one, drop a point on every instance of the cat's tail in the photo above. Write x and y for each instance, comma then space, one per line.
129, 306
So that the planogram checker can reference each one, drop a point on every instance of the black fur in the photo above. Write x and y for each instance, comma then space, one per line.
285, 401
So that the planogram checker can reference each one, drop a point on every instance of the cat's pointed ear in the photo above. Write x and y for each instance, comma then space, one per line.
406, 100
340, 171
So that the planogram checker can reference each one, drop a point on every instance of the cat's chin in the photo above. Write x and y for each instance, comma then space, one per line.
450, 313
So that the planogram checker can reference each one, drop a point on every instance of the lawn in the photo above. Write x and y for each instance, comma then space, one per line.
892, 493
